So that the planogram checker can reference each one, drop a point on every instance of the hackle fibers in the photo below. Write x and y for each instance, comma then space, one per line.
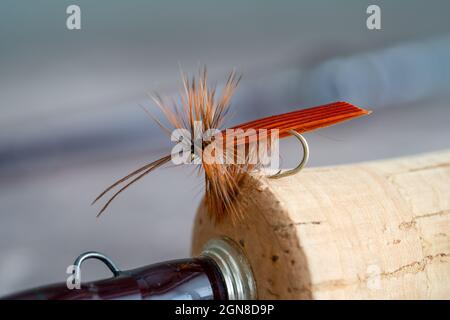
198, 102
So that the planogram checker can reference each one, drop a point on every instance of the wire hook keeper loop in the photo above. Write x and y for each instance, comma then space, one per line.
302, 163
99, 256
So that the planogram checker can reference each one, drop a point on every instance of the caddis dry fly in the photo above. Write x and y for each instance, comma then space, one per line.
200, 103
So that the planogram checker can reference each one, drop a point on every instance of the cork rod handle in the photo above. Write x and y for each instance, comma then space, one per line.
370, 230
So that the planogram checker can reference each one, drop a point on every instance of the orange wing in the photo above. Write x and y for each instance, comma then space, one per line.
307, 119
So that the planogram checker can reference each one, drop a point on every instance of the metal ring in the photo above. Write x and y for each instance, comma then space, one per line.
97, 255
300, 166
234, 267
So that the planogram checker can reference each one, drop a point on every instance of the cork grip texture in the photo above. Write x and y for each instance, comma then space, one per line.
372, 230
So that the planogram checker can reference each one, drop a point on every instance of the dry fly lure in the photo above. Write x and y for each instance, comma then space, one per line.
201, 103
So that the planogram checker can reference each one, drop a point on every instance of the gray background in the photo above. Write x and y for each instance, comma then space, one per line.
71, 121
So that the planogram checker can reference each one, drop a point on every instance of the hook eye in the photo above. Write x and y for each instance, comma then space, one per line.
97, 255
302, 163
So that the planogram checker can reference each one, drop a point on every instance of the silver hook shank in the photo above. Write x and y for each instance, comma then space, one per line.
302, 163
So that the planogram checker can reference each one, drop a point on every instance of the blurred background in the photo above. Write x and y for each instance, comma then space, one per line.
71, 117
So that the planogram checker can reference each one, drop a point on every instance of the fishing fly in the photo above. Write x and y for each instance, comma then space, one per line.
201, 107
